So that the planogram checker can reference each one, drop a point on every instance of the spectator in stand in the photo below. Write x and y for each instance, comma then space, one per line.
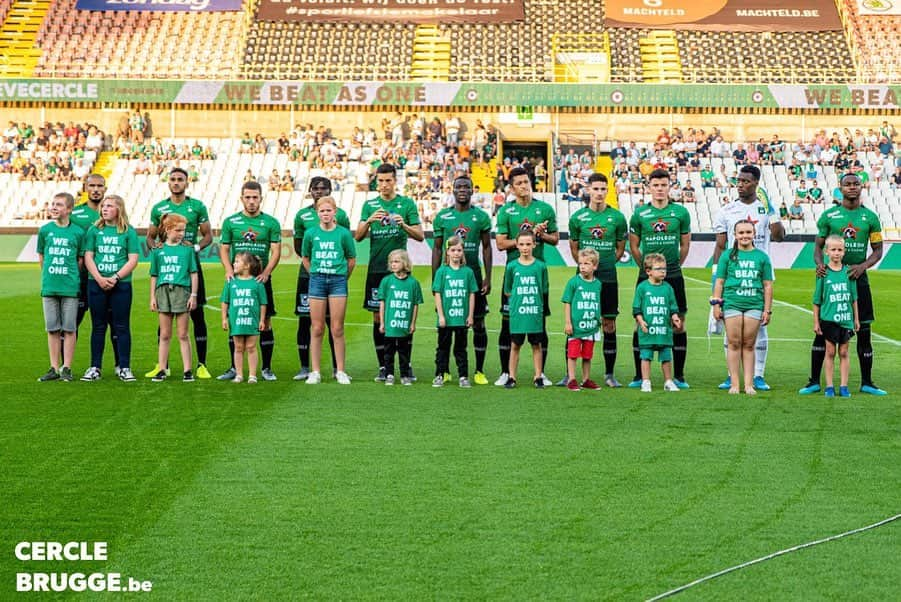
675, 192
783, 211
887, 130
688, 193
814, 192
795, 171
452, 128
796, 212
284, 144
801, 191
896, 178
142, 166
740, 154
707, 177
885, 147
94, 140
287, 182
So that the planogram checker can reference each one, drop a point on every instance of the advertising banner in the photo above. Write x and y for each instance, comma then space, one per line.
397, 11
725, 15
162, 5
878, 8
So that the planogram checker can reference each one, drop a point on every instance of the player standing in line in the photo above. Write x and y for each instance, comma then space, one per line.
60, 248
259, 234
602, 228
305, 219
768, 227
389, 220
454, 286
198, 234
860, 228
525, 214
665, 228
473, 226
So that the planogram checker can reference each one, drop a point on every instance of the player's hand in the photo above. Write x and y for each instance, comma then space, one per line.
153, 304
192, 303
224, 323
468, 322
486, 288
398, 219
442, 322
821, 270
856, 271
262, 278
262, 326
382, 327
229, 275
816, 327
377, 216
856, 325
568, 330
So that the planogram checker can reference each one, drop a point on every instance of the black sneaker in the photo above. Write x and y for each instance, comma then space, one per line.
159, 376
52, 374
383, 373
188, 377
510, 384
539, 383
65, 374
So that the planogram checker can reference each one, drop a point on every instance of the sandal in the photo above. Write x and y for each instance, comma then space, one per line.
238, 379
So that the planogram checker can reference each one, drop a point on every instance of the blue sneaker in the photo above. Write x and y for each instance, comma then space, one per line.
635, 384
726, 384
872, 389
809, 389
760, 384
844, 392
830, 391
681, 383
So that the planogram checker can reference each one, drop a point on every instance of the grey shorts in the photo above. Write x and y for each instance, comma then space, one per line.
172, 299
60, 313
754, 314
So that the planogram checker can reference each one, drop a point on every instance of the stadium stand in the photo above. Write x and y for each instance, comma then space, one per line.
876, 41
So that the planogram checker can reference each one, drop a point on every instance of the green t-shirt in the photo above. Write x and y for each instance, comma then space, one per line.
252, 234
859, 227
329, 250
192, 209
513, 218
599, 230
245, 297
385, 235
173, 264
835, 293
660, 231
743, 279
657, 304
468, 225
455, 286
61, 248
399, 295
111, 248
526, 286
83, 216
584, 298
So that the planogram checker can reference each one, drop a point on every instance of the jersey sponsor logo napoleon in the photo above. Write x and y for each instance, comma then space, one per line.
660, 225
249, 235
526, 226
598, 231
462, 230
849, 231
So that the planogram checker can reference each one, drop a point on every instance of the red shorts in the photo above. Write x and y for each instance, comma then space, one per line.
579, 348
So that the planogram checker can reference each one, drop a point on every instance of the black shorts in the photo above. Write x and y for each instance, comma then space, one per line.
505, 306
609, 299
835, 333
371, 298
535, 338
201, 285
481, 301
864, 300
270, 307
678, 284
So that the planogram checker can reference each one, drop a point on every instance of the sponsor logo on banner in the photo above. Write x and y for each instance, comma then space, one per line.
399, 11
725, 15
878, 7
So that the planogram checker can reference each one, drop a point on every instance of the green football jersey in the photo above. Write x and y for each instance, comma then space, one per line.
513, 218
584, 298
835, 293
599, 230
245, 298
743, 279
83, 216
455, 286
329, 250
657, 304
526, 286
111, 248
468, 225
61, 248
660, 231
399, 295
385, 235
173, 264
252, 234
192, 209
859, 227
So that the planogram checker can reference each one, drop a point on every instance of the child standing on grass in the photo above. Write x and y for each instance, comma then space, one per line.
60, 247
399, 299
525, 285
173, 291
454, 287
835, 314
329, 256
743, 297
582, 310
244, 303
656, 312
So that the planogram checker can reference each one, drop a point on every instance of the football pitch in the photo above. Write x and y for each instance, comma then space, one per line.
279, 490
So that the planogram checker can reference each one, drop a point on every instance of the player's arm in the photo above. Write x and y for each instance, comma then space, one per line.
856, 271
298, 247
684, 245
718, 248
225, 259
488, 261
437, 250
415, 232
574, 248
153, 233
635, 248
504, 242
818, 244
206, 235
620, 249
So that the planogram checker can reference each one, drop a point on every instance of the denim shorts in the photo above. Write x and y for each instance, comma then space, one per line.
60, 314
754, 314
323, 286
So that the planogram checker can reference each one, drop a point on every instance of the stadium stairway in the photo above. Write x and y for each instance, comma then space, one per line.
660, 62
431, 55
483, 176
604, 165
19, 52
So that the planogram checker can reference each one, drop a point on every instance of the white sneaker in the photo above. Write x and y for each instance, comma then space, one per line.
342, 378
646, 386
670, 386
267, 374
389, 380
438, 381
91, 374
407, 381
126, 375
547, 382
314, 378
502, 379
464, 382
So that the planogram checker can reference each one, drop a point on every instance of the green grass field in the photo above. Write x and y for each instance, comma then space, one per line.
218, 491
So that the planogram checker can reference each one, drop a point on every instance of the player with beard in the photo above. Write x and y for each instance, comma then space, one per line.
473, 226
